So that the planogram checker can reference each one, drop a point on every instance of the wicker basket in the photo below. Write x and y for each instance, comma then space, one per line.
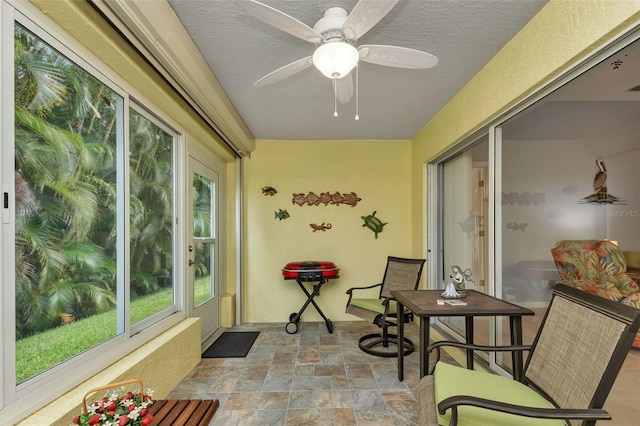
110, 386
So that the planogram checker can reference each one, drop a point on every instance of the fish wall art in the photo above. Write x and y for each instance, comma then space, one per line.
282, 214
269, 191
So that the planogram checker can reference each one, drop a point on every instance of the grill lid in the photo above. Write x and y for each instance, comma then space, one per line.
310, 269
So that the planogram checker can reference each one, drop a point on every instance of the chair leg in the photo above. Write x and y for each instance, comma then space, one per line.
385, 337
369, 343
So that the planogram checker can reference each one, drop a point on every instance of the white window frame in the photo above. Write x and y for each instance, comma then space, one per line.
18, 401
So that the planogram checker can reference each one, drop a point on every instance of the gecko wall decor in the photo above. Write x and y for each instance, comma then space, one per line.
322, 227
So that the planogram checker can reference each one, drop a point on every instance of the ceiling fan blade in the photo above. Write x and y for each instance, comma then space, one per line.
395, 56
280, 20
364, 16
284, 72
344, 88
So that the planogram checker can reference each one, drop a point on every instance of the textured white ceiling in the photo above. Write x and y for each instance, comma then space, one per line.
393, 103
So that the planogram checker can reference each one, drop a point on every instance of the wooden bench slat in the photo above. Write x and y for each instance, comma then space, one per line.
170, 418
192, 414
159, 409
189, 412
203, 413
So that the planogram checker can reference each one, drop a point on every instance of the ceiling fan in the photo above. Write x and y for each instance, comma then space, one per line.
336, 35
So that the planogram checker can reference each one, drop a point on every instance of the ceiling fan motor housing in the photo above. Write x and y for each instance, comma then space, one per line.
335, 58
330, 25
335, 36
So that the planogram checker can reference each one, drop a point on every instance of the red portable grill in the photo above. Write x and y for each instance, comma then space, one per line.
309, 271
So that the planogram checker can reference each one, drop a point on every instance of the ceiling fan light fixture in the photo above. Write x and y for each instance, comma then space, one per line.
335, 59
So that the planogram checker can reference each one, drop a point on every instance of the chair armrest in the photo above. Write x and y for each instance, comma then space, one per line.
350, 291
506, 348
542, 413
363, 288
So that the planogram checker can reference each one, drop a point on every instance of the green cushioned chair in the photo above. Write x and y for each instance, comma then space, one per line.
633, 260
572, 365
400, 274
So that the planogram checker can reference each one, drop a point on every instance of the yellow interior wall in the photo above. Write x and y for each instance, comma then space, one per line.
377, 171
563, 32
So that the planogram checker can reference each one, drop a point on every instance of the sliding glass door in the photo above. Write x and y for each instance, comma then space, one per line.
505, 200
462, 219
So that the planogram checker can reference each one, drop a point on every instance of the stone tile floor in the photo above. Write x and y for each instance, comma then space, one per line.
308, 378
317, 378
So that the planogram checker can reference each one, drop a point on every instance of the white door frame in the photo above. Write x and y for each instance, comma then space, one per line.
202, 161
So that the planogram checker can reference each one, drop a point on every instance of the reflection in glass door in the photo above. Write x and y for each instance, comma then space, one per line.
463, 216
203, 259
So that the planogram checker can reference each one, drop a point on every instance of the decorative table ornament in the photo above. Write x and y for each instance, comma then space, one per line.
455, 287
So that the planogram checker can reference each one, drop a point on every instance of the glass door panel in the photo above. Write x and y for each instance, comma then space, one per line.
203, 288
203, 259
463, 218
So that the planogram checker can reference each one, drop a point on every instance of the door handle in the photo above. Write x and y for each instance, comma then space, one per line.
191, 262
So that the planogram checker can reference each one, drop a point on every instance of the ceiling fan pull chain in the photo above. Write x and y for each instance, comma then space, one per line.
357, 85
335, 98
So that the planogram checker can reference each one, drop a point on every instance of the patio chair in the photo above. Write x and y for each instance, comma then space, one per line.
572, 365
400, 274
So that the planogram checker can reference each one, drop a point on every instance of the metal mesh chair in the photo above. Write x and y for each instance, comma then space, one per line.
572, 365
400, 274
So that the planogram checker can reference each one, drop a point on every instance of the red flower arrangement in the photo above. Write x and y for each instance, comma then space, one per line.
118, 409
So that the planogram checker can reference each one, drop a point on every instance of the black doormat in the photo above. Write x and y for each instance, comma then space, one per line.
232, 344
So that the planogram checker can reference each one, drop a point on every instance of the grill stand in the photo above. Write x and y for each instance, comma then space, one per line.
294, 318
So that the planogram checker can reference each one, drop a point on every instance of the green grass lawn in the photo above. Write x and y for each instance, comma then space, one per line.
201, 290
42, 351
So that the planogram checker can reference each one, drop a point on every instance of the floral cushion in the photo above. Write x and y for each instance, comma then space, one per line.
594, 266
598, 267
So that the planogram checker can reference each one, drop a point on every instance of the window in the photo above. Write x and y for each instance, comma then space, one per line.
151, 233
65, 206
95, 226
